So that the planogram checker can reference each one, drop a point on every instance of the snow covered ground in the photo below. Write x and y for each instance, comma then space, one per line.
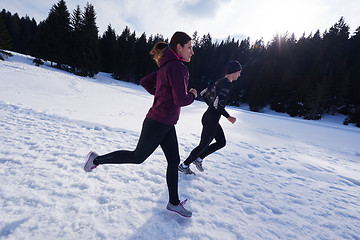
277, 178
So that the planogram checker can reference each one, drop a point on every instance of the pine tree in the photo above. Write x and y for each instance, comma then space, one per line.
125, 55
251, 68
195, 40
107, 50
76, 41
5, 41
354, 74
91, 57
354, 67
53, 38
40, 45
22, 31
201, 70
28, 30
317, 100
336, 62
13, 25
144, 62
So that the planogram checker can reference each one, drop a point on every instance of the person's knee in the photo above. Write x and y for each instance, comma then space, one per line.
222, 143
137, 158
175, 161
138, 161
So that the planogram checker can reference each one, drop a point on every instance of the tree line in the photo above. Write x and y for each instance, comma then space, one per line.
305, 77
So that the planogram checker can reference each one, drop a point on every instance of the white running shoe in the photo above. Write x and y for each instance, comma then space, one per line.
89, 164
198, 164
179, 209
185, 170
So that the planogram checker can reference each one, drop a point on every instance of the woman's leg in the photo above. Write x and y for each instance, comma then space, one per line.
151, 136
170, 148
220, 143
207, 135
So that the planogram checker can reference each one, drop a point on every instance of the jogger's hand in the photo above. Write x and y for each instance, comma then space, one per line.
231, 119
193, 91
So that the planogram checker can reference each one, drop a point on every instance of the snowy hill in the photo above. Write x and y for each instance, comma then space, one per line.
277, 178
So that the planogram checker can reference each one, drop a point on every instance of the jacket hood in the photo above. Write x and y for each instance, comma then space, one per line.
169, 56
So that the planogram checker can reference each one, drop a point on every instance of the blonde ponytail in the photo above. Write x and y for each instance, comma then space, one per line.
158, 50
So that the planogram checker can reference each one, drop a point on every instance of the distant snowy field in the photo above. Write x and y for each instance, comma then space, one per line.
277, 178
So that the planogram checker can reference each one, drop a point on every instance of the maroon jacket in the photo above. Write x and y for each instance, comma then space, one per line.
169, 87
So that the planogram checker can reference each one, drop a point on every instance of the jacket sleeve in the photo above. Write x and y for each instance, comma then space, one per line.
149, 82
223, 93
178, 76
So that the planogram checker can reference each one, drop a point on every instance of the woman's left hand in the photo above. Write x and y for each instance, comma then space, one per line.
231, 119
193, 91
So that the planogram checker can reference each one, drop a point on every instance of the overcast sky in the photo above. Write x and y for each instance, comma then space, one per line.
221, 18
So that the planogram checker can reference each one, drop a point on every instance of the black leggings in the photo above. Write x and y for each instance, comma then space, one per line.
211, 130
152, 135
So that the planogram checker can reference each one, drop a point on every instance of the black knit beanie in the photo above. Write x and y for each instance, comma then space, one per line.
232, 67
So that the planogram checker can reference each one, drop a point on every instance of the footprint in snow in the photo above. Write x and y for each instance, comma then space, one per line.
274, 210
248, 195
249, 211
291, 170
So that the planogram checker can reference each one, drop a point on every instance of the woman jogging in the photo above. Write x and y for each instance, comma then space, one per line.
210, 120
169, 87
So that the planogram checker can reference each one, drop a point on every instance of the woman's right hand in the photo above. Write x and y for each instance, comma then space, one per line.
193, 91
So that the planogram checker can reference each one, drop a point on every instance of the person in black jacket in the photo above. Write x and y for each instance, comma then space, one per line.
210, 120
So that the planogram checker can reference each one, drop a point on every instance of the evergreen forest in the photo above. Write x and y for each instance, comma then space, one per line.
308, 77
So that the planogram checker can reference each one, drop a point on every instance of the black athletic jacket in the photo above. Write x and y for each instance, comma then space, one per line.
223, 88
